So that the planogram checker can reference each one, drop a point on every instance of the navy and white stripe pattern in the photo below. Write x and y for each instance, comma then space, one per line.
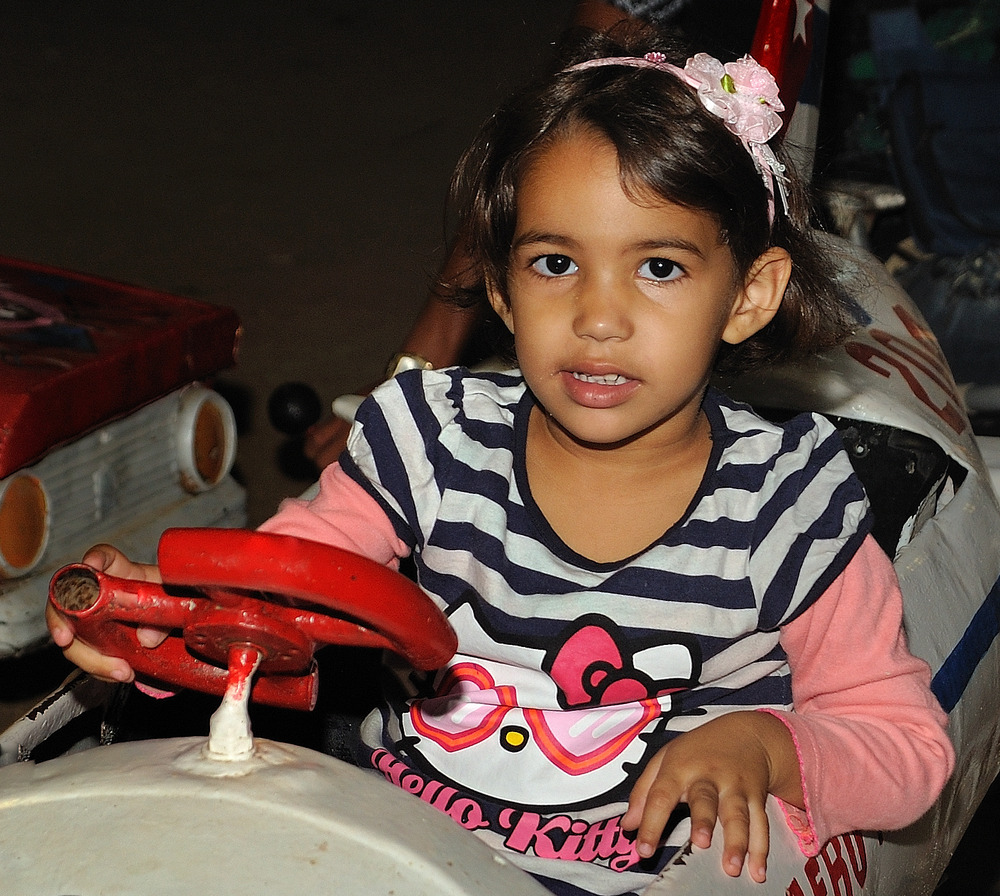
571, 673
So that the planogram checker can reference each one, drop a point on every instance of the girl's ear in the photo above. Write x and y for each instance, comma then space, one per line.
759, 299
500, 304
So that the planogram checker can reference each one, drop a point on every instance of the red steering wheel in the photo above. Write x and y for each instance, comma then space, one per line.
229, 590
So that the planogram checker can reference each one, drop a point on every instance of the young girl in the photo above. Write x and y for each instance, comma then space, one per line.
660, 597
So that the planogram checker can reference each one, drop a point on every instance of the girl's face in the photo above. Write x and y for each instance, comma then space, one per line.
617, 309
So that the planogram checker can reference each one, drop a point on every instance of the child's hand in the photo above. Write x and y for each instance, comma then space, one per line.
723, 770
103, 558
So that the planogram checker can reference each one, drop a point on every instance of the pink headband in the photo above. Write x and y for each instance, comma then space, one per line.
742, 93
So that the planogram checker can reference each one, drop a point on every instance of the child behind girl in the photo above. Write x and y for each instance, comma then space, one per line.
660, 597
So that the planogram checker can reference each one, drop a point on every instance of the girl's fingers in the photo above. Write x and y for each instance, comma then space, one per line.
107, 668
660, 801
150, 637
100, 557
703, 803
760, 844
735, 819
637, 798
746, 837
59, 627
108, 559
638, 803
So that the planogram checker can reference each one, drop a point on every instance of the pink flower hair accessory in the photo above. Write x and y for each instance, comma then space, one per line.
743, 94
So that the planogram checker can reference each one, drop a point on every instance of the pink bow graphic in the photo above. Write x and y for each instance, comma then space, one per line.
589, 670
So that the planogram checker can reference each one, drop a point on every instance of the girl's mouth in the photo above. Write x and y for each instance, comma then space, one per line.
599, 390
608, 379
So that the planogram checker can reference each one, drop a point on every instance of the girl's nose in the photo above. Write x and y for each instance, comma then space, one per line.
602, 312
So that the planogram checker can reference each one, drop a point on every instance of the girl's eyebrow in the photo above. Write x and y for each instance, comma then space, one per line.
651, 245
535, 236
669, 244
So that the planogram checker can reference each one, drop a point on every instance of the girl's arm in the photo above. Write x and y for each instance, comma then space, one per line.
863, 710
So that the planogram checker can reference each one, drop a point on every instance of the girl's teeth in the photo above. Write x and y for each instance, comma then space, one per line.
610, 379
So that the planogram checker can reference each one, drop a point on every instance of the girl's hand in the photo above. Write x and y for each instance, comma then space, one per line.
724, 771
103, 558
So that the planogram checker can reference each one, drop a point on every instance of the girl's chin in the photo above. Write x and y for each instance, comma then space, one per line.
591, 434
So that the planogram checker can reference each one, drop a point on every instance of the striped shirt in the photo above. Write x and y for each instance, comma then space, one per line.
571, 673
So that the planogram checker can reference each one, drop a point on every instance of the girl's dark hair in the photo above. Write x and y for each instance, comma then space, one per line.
668, 146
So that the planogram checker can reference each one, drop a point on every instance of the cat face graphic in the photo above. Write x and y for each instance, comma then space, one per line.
566, 721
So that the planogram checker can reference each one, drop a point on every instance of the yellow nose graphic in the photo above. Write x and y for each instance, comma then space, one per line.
513, 738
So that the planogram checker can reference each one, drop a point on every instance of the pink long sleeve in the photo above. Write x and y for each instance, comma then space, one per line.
344, 515
870, 735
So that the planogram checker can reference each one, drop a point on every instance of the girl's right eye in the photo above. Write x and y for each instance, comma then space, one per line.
554, 265
660, 270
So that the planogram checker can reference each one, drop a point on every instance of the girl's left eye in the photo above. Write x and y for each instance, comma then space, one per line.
554, 265
660, 269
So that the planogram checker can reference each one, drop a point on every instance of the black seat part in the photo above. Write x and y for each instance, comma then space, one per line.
899, 470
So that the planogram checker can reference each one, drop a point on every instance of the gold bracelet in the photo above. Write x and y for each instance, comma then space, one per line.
406, 361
